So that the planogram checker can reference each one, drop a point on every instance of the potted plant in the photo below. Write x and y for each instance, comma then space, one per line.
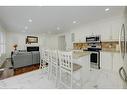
15, 46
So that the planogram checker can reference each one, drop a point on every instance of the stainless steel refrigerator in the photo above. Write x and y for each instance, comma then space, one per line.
123, 53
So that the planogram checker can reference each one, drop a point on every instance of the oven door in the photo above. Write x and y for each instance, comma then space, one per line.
94, 60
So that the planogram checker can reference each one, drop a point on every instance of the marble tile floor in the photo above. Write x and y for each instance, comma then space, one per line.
30, 80
98, 79
102, 79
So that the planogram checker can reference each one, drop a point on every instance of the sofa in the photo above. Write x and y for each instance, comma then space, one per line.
22, 59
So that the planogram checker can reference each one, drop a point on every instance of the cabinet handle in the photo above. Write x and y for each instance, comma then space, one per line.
124, 73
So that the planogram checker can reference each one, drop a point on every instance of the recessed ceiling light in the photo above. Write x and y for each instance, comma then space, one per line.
74, 22
26, 27
30, 20
107, 9
58, 28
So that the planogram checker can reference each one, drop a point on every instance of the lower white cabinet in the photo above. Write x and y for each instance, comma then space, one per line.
111, 61
106, 61
117, 62
85, 63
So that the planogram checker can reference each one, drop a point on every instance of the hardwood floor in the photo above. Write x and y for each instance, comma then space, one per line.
8, 72
13, 72
26, 69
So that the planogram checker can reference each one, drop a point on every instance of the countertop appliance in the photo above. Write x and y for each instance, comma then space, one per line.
94, 46
123, 53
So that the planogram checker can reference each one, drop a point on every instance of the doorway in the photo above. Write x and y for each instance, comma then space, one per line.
61, 43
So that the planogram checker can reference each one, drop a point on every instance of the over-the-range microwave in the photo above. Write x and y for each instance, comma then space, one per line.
93, 39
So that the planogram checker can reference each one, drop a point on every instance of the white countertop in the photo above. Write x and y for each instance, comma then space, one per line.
79, 54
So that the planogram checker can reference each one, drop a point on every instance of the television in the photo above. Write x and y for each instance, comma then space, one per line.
31, 39
32, 48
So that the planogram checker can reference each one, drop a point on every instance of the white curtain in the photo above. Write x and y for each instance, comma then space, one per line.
2, 43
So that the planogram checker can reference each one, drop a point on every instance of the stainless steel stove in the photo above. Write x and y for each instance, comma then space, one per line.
94, 46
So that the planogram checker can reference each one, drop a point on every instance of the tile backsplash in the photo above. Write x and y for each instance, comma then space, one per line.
108, 45
79, 45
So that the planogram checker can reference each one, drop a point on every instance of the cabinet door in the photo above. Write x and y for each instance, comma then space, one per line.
117, 62
106, 61
105, 32
116, 28
85, 63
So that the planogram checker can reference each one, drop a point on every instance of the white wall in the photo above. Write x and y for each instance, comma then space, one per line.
108, 28
45, 41
51, 41
19, 39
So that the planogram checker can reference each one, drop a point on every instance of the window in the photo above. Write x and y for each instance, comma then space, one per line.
2, 43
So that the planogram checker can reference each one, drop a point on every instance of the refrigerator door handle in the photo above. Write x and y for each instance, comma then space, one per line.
120, 40
124, 41
124, 75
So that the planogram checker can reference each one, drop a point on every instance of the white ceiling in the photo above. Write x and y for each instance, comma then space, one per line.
47, 19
